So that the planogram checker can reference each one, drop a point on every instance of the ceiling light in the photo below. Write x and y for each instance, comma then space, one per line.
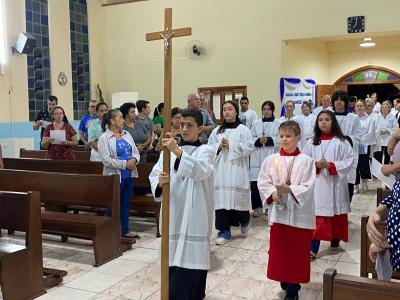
367, 42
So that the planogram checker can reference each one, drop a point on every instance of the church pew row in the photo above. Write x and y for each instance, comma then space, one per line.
152, 157
381, 194
367, 267
21, 263
340, 286
58, 190
41, 154
143, 204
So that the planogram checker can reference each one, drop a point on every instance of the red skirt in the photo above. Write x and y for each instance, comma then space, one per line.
289, 254
329, 228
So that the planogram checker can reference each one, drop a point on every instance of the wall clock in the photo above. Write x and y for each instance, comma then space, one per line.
356, 24
62, 79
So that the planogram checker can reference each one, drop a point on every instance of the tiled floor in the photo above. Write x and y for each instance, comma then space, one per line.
238, 268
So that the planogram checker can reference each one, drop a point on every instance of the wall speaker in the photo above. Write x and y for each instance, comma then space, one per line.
25, 44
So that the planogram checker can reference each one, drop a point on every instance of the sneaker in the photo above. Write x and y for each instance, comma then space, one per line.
256, 212
356, 191
244, 229
364, 185
223, 237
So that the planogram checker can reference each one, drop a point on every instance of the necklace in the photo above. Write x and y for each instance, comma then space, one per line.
324, 151
289, 171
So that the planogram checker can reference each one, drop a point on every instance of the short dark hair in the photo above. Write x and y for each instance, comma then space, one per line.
100, 104
53, 98
341, 95
175, 111
124, 108
244, 98
141, 104
195, 114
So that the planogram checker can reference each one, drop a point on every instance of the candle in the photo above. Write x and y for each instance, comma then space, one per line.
275, 174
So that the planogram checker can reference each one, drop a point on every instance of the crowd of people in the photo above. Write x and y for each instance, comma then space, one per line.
302, 170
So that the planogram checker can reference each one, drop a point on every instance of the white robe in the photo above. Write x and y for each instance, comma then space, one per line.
300, 213
350, 126
248, 117
308, 125
331, 193
318, 109
231, 177
368, 132
390, 123
191, 206
270, 129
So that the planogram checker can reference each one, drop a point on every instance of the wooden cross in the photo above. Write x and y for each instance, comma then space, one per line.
167, 36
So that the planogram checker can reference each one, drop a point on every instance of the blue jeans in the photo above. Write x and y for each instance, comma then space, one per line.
126, 189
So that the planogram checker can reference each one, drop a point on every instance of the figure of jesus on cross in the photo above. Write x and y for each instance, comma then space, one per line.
166, 35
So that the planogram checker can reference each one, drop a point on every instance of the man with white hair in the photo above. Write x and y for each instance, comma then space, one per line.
325, 105
194, 103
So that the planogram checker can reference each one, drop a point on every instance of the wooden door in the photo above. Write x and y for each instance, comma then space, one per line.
324, 89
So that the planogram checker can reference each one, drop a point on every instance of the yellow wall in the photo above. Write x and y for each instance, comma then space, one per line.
244, 40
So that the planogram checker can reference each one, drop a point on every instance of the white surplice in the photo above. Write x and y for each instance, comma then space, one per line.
351, 127
260, 129
369, 129
390, 123
231, 176
191, 206
318, 109
308, 125
274, 171
331, 191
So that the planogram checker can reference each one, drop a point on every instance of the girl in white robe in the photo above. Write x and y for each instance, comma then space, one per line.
266, 142
286, 184
191, 208
368, 139
232, 143
289, 116
308, 120
333, 157
387, 124
350, 126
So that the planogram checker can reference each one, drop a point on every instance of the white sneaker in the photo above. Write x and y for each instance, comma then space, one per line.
221, 241
356, 191
244, 229
364, 185
256, 213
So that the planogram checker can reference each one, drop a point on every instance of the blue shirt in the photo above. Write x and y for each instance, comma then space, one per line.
85, 123
124, 152
392, 202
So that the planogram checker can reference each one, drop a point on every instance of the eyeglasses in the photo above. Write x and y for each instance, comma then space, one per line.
91, 106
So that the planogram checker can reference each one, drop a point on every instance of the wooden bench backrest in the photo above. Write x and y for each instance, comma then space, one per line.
144, 171
65, 189
49, 165
381, 194
339, 286
24, 153
21, 212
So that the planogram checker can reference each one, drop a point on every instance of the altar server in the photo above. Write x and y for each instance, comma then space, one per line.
232, 143
308, 119
191, 208
266, 142
350, 126
286, 184
333, 158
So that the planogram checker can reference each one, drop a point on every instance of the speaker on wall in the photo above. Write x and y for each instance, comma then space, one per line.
25, 43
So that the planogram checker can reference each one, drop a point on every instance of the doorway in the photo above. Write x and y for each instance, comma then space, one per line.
387, 91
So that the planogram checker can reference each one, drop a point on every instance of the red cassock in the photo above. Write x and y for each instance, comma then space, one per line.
329, 228
289, 254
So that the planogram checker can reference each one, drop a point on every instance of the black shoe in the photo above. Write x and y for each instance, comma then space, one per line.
284, 286
292, 296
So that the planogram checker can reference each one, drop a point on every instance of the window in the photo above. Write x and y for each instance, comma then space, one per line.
3, 43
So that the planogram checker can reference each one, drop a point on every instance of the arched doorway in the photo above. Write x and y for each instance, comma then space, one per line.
371, 79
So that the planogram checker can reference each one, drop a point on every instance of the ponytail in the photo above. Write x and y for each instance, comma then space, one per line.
106, 122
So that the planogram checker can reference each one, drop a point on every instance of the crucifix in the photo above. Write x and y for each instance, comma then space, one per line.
166, 36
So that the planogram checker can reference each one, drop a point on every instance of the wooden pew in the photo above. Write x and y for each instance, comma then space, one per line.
59, 190
340, 286
146, 204
140, 203
21, 266
51, 165
381, 194
24, 153
366, 265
